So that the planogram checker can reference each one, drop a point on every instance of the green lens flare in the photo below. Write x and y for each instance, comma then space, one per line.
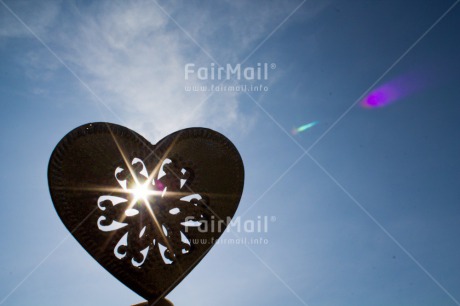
304, 127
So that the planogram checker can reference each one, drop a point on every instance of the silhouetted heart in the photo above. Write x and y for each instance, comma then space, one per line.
144, 211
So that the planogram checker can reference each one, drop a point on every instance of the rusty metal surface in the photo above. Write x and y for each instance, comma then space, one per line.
149, 240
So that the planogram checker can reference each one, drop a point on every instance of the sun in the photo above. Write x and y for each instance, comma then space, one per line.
144, 192
141, 191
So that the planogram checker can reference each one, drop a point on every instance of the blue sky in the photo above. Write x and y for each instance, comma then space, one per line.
366, 201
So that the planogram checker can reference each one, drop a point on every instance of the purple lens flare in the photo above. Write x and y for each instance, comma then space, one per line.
393, 91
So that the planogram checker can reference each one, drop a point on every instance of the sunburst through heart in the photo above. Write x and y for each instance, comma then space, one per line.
139, 208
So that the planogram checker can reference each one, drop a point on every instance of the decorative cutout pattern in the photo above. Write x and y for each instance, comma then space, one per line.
154, 211
86, 184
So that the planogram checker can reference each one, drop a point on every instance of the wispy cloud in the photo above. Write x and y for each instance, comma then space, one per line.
132, 55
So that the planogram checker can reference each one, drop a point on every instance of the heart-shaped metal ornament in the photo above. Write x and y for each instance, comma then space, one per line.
147, 213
